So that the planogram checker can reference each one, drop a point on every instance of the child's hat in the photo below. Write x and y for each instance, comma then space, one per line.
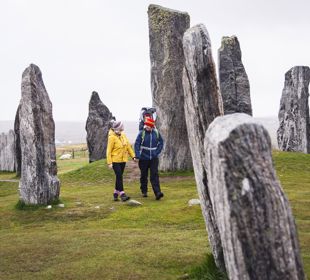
149, 122
118, 126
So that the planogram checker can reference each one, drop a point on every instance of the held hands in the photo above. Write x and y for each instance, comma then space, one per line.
135, 159
110, 165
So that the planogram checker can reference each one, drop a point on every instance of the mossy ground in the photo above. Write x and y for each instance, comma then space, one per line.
94, 237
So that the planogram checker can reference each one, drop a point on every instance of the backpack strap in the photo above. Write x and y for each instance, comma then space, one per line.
143, 134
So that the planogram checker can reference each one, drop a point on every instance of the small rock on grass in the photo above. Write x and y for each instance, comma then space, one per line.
193, 201
61, 205
48, 207
133, 202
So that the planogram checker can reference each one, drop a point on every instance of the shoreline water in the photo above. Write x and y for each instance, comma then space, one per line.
67, 132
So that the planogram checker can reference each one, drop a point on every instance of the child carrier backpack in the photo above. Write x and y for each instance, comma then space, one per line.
146, 112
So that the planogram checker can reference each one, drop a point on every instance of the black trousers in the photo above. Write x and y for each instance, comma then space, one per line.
145, 166
118, 168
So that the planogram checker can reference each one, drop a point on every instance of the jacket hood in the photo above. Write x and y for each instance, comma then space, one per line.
112, 132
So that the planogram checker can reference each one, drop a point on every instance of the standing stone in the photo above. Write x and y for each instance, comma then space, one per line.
255, 221
18, 155
202, 104
7, 151
294, 129
97, 127
166, 29
39, 183
234, 82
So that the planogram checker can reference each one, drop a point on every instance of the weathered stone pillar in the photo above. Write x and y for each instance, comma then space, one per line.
166, 29
254, 218
18, 155
97, 128
7, 151
234, 82
294, 130
39, 183
202, 104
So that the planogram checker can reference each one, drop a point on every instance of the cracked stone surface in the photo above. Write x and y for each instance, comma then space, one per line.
39, 183
294, 121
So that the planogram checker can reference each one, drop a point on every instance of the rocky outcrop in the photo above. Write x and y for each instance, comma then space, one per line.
203, 104
97, 127
166, 30
294, 130
234, 82
39, 183
7, 151
254, 218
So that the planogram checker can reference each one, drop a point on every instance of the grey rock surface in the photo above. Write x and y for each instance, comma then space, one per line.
294, 122
166, 29
193, 201
97, 128
234, 82
18, 153
7, 151
39, 183
133, 202
202, 104
254, 218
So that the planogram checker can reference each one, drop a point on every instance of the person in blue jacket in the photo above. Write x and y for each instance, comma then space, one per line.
148, 146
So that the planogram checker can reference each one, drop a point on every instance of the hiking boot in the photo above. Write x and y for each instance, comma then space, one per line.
124, 197
159, 195
115, 197
144, 194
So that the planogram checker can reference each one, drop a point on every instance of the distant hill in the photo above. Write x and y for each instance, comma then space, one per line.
74, 132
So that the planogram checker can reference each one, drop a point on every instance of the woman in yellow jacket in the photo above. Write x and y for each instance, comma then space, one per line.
117, 156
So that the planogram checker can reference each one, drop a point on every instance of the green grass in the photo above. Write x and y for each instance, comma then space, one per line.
94, 237
8, 175
207, 270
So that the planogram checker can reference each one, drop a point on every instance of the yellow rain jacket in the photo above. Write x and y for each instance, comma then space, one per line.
118, 148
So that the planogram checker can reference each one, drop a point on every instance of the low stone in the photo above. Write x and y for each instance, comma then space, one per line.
193, 201
133, 202
65, 156
48, 207
61, 205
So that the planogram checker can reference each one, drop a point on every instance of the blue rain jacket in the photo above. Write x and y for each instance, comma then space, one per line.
149, 147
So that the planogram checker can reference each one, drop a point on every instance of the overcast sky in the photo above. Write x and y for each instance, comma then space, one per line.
96, 45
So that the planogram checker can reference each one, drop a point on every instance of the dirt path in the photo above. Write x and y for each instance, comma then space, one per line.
132, 171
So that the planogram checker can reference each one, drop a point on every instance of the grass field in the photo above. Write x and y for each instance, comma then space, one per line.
96, 238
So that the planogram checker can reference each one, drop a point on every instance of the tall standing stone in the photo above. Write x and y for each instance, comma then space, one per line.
97, 127
202, 104
294, 129
7, 151
255, 221
18, 155
166, 30
234, 82
39, 183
